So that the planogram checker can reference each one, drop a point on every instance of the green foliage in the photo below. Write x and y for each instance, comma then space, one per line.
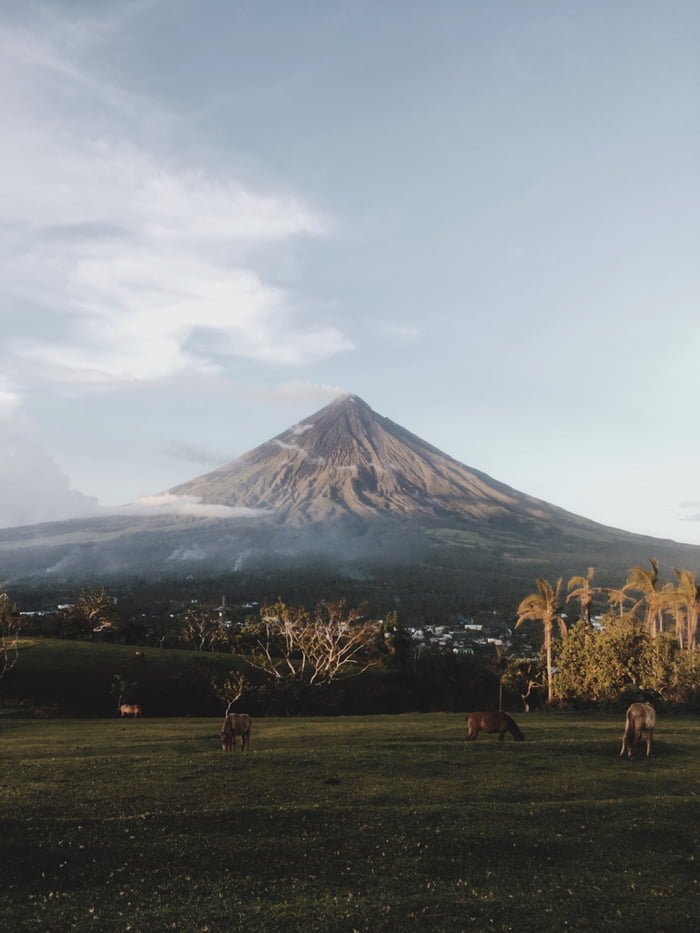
395, 644
373, 824
598, 666
527, 679
582, 591
633, 650
93, 614
10, 627
86, 678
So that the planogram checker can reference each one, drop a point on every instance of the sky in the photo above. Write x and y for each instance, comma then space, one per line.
481, 218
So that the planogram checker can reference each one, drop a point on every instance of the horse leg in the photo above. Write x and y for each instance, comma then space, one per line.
629, 740
649, 738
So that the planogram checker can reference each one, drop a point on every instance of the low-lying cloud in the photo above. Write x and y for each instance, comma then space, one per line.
170, 504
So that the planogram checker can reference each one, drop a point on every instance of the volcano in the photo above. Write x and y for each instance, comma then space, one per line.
348, 461
348, 491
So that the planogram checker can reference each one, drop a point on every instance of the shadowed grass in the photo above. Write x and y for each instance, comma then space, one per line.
368, 824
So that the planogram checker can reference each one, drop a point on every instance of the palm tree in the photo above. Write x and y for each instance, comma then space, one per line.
654, 598
545, 607
616, 597
687, 595
499, 665
583, 593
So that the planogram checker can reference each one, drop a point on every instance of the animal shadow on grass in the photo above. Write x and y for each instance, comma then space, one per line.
610, 748
660, 749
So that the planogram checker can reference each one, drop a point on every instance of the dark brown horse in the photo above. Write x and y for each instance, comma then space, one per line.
639, 721
490, 723
235, 724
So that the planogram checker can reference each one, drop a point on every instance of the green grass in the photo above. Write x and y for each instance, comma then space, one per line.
77, 677
347, 824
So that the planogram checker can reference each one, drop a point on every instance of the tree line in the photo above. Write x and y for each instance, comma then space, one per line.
640, 641
643, 641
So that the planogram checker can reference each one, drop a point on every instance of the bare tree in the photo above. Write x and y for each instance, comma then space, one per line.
202, 628
318, 647
93, 612
230, 688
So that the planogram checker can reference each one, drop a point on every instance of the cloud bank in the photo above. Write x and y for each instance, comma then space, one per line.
33, 488
169, 504
145, 268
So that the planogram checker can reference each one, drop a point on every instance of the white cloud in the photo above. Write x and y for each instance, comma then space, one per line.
9, 398
141, 269
33, 488
298, 429
170, 504
292, 448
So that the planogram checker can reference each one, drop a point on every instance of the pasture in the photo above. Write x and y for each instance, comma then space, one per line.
347, 824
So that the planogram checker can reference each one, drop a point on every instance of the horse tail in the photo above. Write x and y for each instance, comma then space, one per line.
514, 731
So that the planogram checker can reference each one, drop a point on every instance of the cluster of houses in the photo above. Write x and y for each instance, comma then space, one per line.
464, 635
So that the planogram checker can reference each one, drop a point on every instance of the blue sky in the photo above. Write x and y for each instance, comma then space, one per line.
482, 218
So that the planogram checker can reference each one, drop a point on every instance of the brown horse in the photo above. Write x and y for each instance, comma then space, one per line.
640, 719
490, 723
235, 724
130, 709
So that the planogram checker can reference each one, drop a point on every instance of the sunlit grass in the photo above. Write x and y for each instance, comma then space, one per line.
372, 824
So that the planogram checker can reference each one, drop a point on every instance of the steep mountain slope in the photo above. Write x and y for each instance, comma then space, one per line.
346, 460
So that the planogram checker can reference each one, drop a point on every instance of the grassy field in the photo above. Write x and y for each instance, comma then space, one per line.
77, 677
347, 824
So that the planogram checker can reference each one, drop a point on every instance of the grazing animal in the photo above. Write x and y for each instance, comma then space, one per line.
138, 654
234, 725
130, 709
490, 723
640, 720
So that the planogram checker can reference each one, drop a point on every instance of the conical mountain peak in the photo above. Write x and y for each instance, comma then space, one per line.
347, 460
